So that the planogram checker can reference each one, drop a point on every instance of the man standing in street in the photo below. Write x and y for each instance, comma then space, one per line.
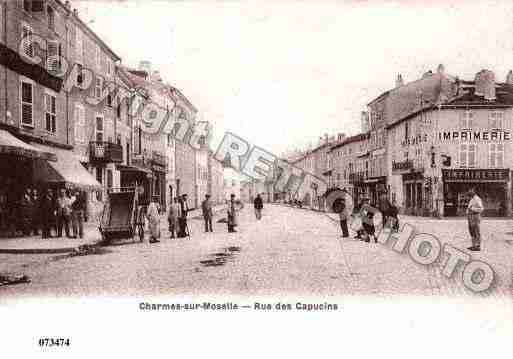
232, 215
63, 213
182, 218
172, 218
259, 205
77, 215
345, 213
475, 207
206, 208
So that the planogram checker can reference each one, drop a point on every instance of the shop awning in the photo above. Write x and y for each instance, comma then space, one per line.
67, 171
13, 146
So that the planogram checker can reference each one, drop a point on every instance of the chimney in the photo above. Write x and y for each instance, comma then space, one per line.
509, 78
67, 5
326, 138
145, 66
485, 84
75, 12
399, 81
365, 121
440, 69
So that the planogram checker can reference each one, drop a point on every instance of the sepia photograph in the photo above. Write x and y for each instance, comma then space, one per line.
299, 178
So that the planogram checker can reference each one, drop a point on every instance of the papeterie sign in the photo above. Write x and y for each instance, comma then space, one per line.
475, 175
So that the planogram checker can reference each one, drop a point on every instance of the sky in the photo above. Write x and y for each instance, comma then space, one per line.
282, 73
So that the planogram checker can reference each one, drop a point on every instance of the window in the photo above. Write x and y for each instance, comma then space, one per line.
27, 45
467, 120
99, 128
118, 111
51, 17
97, 87
50, 113
109, 100
99, 178
33, 5
496, 156
27, 5
53, 56
118, 139
97, 57
468, 155
80, 75
80, 130
109, 67
27, 102
109, 178
496, 120
406, 131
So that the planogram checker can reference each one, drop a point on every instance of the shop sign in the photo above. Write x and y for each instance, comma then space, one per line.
475, 175
474, 135
414, 140
402, 166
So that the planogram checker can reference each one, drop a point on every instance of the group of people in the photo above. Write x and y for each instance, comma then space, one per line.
177, 217
390, 213
48, 212
367, 212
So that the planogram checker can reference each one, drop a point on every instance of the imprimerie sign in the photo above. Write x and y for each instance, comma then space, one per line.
498, 135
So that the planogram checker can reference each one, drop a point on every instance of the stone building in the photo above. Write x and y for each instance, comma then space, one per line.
37, 113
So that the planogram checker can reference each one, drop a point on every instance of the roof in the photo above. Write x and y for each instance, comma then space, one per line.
351, 139
88, 29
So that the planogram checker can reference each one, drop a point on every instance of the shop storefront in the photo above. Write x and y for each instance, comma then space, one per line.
492, 185
376, 188
415, 194
19, 194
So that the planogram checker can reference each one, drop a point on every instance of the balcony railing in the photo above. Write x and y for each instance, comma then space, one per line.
106, 152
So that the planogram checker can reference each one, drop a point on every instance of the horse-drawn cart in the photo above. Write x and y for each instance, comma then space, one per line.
122, 216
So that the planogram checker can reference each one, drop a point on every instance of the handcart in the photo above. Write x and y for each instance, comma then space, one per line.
122, 216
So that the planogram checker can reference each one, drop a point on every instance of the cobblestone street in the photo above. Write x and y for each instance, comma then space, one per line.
290, 251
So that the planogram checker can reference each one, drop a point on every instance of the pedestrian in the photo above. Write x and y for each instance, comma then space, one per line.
63, 213
182, 217
153, 221
77, 214
259, 205
46, 213
35, 213
172, 217
474, 209
232, 215
385, 209
368, 213
206, 209
345, 213
394, 215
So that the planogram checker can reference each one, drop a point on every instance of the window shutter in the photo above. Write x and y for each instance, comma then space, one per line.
52, 59
26, 33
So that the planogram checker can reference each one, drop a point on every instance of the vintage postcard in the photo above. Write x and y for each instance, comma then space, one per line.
296, 178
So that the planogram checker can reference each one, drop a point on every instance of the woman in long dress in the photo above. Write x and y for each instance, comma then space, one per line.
153, 221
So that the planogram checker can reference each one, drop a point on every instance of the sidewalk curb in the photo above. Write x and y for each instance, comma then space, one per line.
42, 250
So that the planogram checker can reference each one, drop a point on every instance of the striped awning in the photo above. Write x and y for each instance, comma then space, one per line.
14, 146
67, 171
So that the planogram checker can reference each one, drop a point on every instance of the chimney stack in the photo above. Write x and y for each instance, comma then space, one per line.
485, 84
509, 78
75, 12
67, 5
440, 69
365, 121
399, 81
